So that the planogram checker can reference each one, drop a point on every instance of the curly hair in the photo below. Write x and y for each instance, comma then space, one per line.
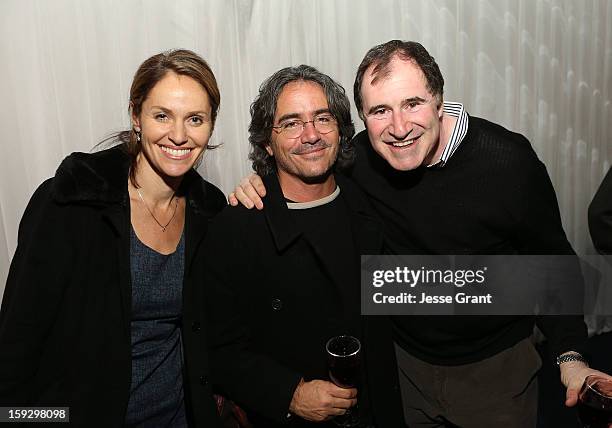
263, 110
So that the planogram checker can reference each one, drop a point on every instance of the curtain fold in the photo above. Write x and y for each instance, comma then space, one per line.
539, 67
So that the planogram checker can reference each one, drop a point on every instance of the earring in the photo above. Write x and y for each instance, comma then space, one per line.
137, 132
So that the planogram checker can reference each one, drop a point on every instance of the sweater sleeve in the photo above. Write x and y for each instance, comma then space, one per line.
32, 294
600, 216
542, 234
253, 380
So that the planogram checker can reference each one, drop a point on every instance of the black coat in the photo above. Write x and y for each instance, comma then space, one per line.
65, 317
269, 301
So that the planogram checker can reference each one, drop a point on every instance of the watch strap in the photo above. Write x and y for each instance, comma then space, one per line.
570, 356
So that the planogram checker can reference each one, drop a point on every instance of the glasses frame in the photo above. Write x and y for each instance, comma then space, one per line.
279, 129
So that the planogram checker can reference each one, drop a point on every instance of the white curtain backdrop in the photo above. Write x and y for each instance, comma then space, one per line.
539, 67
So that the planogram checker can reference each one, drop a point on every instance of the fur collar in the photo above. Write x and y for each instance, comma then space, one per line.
95, 178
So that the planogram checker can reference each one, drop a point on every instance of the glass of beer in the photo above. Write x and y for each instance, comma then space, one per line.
344, 364
595, 402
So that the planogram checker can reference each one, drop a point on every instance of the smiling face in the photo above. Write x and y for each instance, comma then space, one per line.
175, 127
309, 157
405, 138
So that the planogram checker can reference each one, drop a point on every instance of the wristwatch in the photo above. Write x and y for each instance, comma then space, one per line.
571, 356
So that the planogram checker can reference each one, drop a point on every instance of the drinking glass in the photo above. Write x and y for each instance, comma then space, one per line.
344, 364
595, 402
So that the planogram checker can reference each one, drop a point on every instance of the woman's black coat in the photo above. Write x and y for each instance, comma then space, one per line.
65, 317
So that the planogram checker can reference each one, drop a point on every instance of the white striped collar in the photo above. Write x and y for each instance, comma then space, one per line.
457, 135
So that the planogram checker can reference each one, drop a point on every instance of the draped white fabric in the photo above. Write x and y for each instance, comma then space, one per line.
540, 67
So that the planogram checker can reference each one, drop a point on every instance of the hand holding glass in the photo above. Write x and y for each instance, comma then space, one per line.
344, 363
595, 402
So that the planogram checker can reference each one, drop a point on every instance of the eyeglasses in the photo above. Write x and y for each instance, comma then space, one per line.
409, 106
293, 128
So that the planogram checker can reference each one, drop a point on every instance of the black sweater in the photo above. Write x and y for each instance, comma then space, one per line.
492, 197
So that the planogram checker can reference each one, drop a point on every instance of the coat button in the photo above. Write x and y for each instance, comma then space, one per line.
203, 380
277, 304
195, 326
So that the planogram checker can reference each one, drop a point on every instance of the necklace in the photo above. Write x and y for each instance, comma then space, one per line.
163, 227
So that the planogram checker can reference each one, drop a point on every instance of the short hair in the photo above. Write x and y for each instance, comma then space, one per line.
380, 57
180, 61
263, 110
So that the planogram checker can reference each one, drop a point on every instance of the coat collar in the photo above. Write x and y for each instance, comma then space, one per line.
365, 224
282, 226
93, 178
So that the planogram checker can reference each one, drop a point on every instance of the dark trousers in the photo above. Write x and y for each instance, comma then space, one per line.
500, 391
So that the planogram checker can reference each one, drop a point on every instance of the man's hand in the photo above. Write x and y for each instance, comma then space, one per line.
249, 192
573, 374
320, 400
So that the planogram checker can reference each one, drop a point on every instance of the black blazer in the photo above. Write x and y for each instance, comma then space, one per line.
65, 317
270, 307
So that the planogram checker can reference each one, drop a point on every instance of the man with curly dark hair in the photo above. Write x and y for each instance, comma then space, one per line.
286, 279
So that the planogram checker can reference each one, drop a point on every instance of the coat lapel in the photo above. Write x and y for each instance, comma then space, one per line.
197, 224
197, 216
117, 216
282, 226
